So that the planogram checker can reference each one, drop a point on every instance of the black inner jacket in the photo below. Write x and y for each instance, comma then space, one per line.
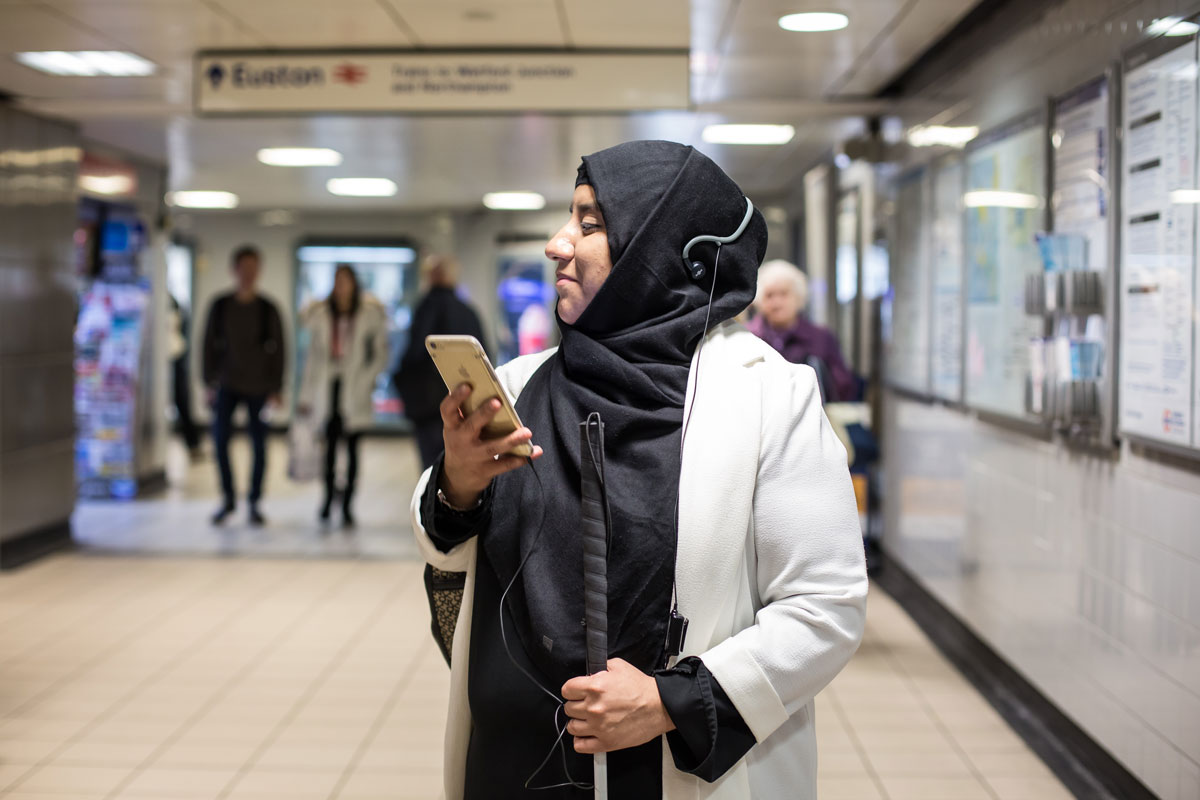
627, 357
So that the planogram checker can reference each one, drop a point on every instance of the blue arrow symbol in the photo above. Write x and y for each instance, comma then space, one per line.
216, 74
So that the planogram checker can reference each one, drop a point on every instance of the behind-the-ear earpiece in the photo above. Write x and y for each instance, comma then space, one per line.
695, 267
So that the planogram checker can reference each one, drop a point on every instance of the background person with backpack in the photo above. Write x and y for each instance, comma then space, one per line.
243, 365
421, 387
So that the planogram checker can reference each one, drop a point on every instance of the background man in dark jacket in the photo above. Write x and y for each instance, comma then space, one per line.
243, 364
421, 387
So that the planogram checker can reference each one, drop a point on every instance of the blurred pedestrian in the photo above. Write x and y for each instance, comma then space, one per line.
181, 384
347, 349
781, 301
243, 365
421, 387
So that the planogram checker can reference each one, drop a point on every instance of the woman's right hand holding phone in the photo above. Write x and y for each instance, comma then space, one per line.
471, 462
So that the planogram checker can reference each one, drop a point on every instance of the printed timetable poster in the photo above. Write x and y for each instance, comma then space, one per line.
1159, 243
1004, 210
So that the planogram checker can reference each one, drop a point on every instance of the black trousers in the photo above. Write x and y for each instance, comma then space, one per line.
335, 431
227, 402
182, 390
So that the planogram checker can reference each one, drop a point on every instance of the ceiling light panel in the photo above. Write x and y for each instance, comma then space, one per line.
941, 135
361, 187
87, 63
299, 157
202, 199
748, 134
814, 22
514, 201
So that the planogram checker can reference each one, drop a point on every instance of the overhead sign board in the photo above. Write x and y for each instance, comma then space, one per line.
323, 82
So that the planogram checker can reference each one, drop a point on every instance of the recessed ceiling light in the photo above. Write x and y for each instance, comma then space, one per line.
299, 157
361, 187
115, 184
202, 199
514, 201
999, 199
941, 135
1172, 26
748, 134
87, 63
1185, 196
814, 22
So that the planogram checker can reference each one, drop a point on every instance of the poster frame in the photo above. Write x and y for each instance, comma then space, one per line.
922, 173
1106, 437
1131, 59
1038, 427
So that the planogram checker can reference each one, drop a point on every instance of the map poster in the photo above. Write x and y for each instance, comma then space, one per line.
1004, 210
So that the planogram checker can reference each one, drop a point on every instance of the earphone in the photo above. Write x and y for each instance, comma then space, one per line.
696, 268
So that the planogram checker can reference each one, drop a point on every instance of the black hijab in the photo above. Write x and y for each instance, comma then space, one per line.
626, 357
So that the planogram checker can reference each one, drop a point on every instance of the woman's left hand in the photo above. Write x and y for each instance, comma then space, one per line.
614, 709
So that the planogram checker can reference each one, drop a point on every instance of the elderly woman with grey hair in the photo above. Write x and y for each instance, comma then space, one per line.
781, 301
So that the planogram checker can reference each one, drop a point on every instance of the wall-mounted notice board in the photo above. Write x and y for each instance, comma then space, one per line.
946, 246
1004, 207
1158, 232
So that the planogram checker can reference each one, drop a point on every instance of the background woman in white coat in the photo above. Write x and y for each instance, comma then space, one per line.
347, 349
729, 500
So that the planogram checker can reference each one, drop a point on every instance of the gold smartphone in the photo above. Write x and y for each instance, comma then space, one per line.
461, 359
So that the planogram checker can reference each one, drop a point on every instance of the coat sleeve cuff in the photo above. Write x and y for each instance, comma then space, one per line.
446, 528
748, 687
710, 736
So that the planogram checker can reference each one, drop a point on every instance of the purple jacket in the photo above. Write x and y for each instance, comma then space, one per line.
804, 339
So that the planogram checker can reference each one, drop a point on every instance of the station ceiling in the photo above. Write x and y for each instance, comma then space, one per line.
745, 69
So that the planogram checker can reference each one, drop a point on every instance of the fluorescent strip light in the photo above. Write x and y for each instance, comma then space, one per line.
999, 199
748, 134
514, 201
361, 187
299, 157
333, 254
106, 184
941, 136
1172, 26
814, 22
1184, 197
88, 63
193, 199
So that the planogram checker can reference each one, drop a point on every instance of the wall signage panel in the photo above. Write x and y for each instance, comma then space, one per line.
1004, 210
319, 82
1159, 248
947, 256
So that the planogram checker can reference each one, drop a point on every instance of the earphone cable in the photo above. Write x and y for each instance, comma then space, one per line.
688, 416
558, 700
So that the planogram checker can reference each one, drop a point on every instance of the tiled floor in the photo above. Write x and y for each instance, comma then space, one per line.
270, 678
177, 521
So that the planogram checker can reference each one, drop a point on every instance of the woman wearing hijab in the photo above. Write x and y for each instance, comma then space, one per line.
728, 496
347, 349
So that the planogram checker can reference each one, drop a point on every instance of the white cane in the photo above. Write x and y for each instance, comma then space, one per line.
595, 564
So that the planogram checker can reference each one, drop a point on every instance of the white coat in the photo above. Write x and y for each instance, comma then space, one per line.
362, 361
769, 564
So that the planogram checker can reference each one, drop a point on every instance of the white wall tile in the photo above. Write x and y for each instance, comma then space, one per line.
1084, 573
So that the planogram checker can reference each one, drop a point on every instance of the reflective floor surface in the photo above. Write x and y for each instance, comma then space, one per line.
189, 677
